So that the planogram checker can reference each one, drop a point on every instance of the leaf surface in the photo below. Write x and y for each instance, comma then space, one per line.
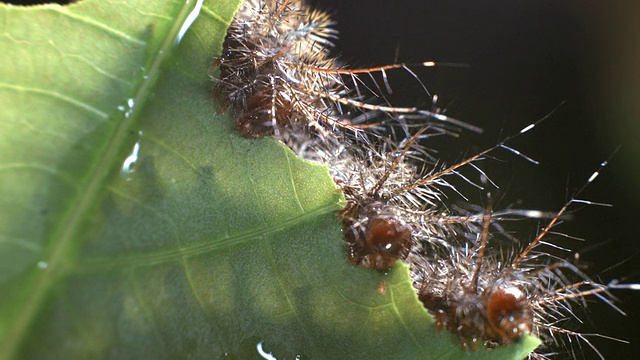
134, 222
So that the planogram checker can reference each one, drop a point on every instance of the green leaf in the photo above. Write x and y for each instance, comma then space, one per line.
210, 245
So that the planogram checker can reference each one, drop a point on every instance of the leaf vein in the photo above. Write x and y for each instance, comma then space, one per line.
99, 25
214, 15
57, 95
276, 275
22, 243
135, 287
164, 256
404, 325
190, 163
43, 168
293, 182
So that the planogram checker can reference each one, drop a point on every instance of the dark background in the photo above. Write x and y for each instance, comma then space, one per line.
524, 59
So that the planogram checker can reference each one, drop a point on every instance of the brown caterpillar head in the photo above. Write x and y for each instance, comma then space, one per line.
509, 315
378, 242
387, 240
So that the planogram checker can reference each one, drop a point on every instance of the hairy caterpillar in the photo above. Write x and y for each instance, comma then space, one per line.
279, 77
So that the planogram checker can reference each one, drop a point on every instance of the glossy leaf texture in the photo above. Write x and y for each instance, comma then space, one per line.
134, 222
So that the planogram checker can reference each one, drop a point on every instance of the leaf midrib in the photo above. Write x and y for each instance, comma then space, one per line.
89, 192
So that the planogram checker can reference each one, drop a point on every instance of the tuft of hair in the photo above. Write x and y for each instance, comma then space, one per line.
488, 294
277, 74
